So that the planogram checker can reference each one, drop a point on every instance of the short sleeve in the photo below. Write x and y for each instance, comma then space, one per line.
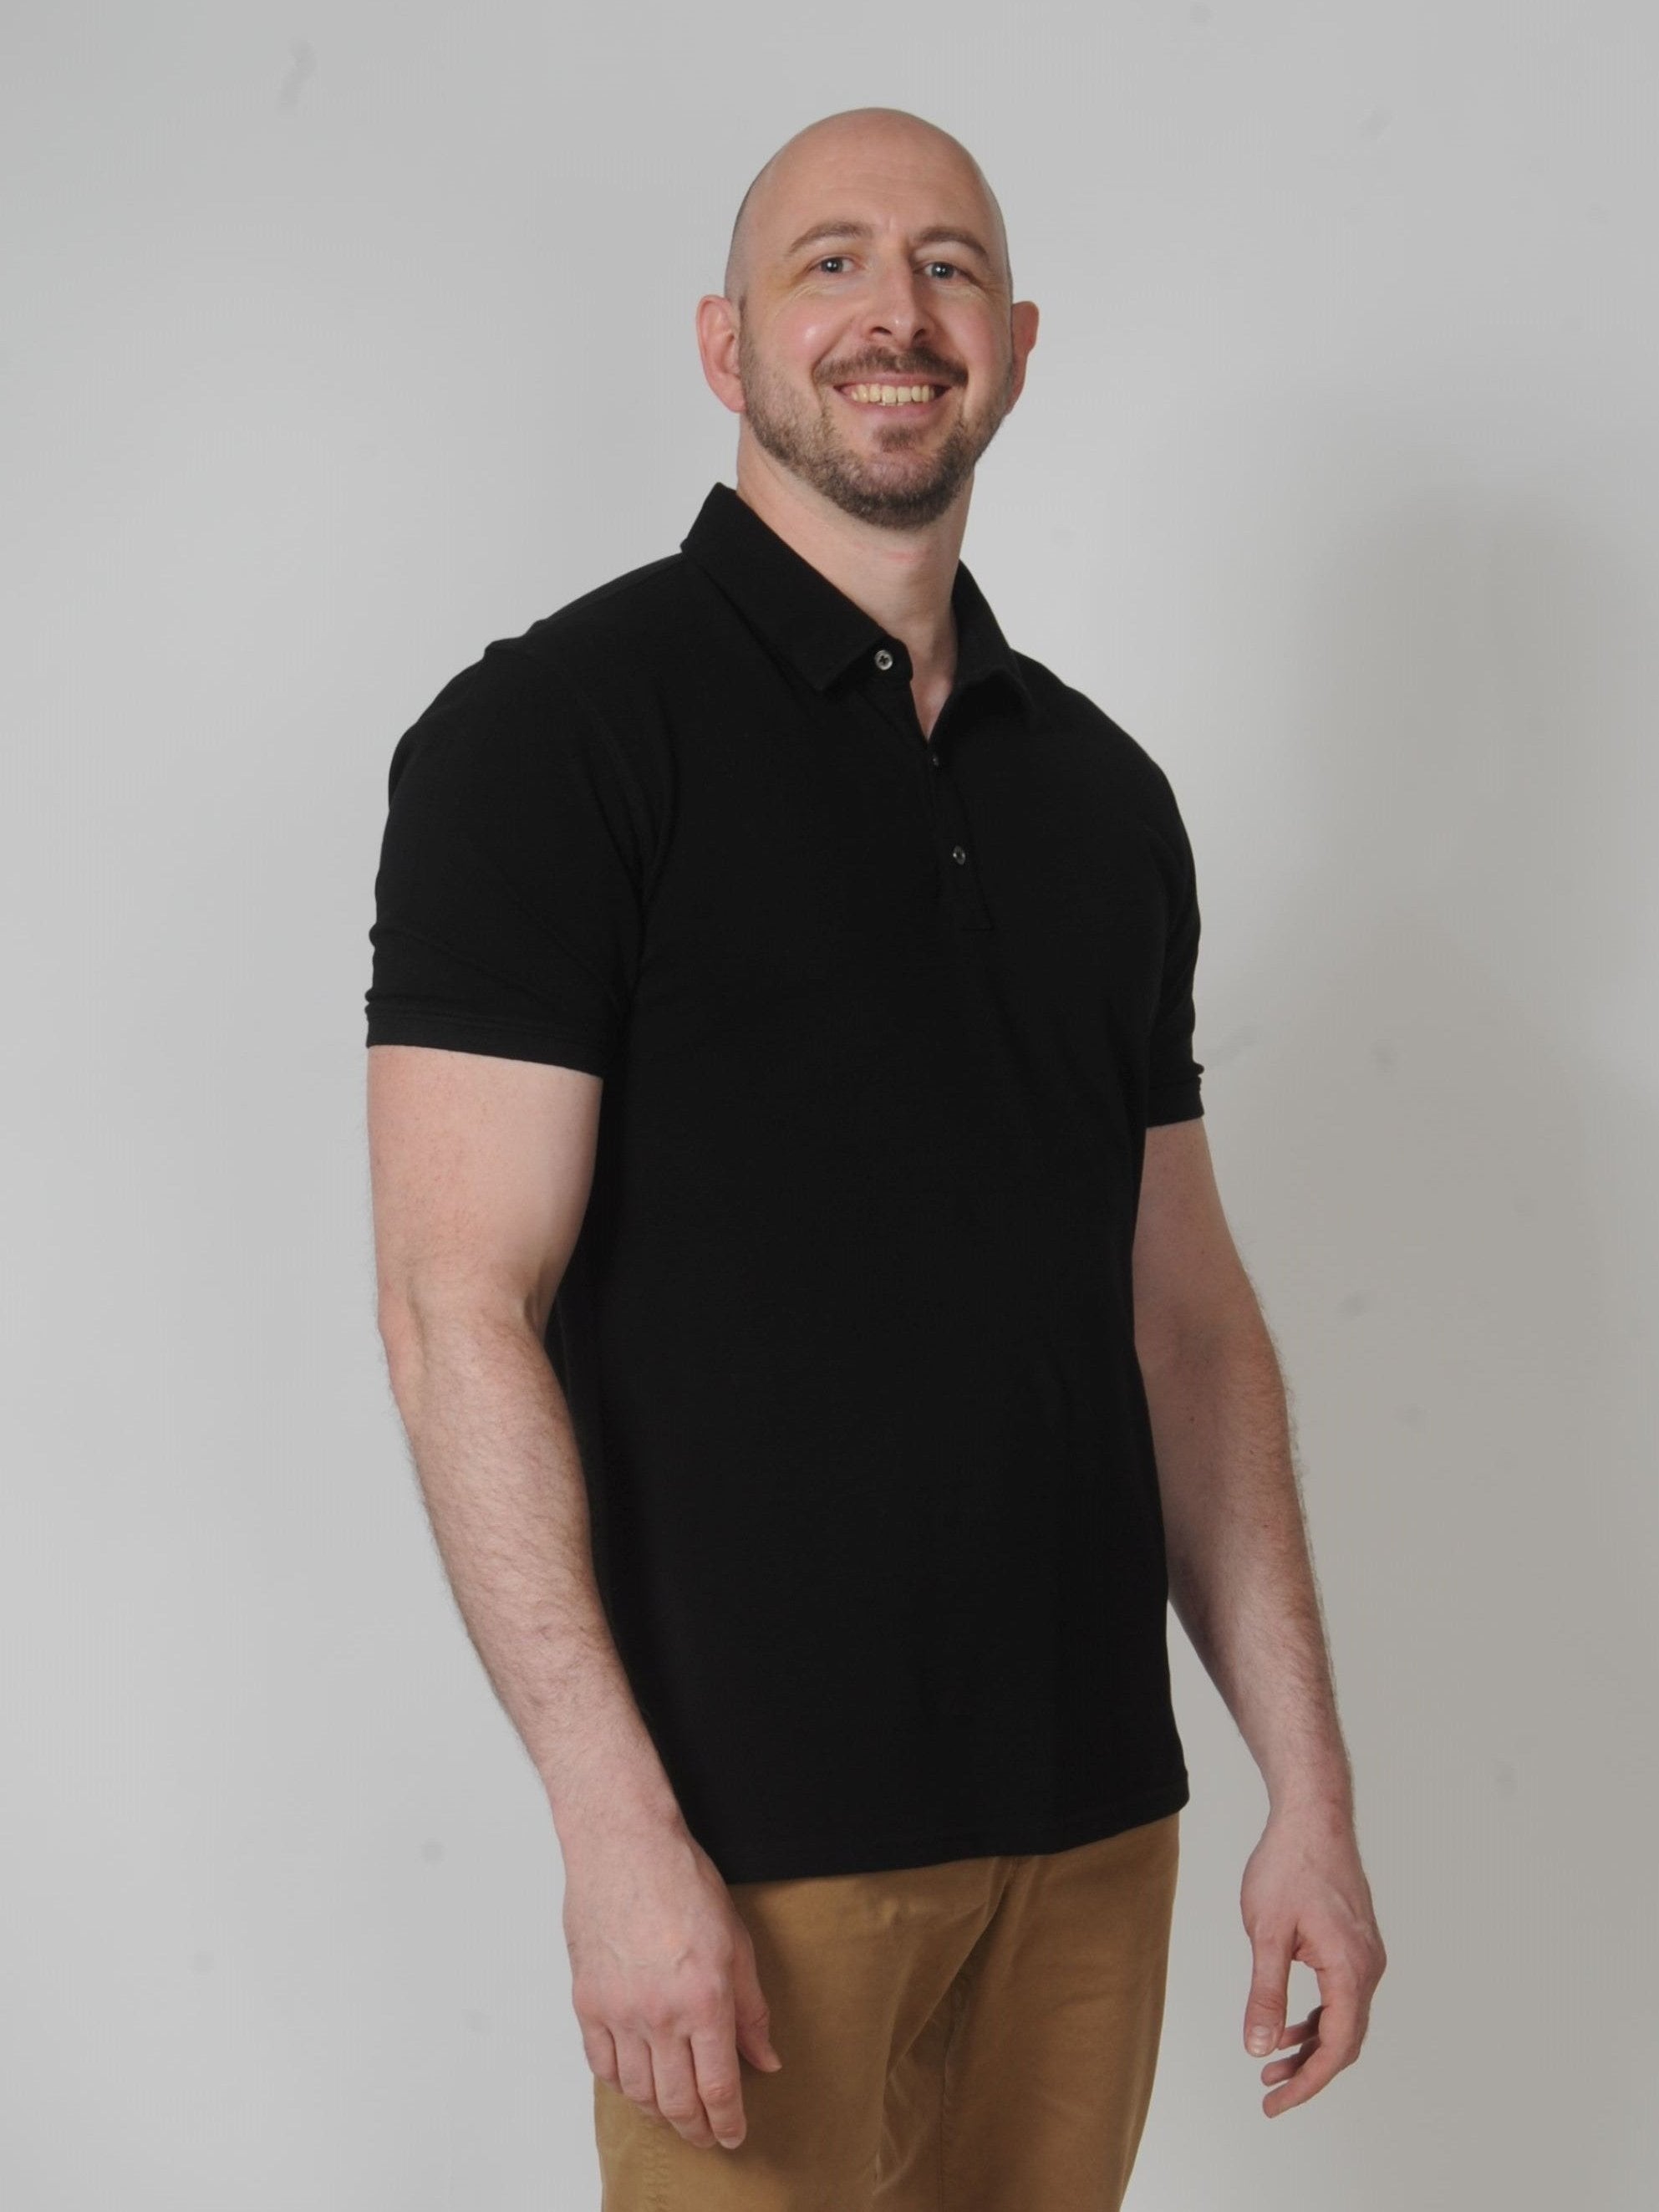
507, 903
1173, 1088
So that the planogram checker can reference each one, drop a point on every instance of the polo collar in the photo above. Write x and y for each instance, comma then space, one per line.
810, 623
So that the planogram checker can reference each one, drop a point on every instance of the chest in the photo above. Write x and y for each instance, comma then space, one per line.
848, 855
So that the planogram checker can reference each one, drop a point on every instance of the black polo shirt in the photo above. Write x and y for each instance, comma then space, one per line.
847, 1335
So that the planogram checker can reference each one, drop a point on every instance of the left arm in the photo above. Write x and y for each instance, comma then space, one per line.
1242, 1583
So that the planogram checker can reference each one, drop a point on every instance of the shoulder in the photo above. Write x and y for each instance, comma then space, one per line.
1140, 777
582, 678
607, 638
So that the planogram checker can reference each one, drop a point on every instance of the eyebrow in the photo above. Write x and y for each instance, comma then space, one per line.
941, 233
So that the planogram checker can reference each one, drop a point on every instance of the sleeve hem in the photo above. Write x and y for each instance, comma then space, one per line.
500, 1040
1173, 1103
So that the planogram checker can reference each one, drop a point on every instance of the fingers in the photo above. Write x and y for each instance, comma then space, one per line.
753, 2014
1304, 2032
691, 2082
635, 2076
1264, 2012
601, 2048
1335, 2044
715, 2052
679, 2099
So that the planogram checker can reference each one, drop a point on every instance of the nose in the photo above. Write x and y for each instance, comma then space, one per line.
897, 308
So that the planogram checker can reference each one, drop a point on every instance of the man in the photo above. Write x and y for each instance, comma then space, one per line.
816, 1434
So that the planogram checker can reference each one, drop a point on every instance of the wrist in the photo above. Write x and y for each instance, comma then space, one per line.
1328, 1802
598, 1820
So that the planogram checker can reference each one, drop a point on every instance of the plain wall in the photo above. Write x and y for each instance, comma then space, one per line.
339, 344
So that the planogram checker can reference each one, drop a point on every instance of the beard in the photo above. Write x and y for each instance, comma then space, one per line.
909, 477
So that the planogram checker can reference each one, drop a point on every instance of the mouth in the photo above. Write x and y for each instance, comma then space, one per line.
907, 401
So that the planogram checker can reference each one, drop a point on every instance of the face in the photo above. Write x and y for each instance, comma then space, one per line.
879, 268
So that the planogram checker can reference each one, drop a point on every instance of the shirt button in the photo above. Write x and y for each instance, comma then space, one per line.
884, 659
932, 755
957, 854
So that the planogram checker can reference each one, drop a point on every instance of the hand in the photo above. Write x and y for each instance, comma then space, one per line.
664, 1983
1305, 1897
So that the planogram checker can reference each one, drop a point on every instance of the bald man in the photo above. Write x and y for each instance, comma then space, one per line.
817, 1435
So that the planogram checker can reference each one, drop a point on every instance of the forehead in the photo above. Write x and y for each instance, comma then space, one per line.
924, 193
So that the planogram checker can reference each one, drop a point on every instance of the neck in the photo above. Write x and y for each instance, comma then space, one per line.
901, 578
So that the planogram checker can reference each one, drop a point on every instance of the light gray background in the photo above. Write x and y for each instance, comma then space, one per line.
337, 344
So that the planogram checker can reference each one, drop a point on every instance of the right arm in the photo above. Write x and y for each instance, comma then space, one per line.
481, 1168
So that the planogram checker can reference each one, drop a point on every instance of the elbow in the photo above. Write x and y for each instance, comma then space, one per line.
1190, 1356
414, 1318
1184, 1338
397, 1323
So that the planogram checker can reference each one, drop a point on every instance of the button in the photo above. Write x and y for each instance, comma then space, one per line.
957, 854
884, 659
932, 755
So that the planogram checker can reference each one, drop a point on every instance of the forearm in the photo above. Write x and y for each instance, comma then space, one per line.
498, 1464
1241, 1575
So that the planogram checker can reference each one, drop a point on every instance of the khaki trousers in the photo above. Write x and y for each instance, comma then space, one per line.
978, 2036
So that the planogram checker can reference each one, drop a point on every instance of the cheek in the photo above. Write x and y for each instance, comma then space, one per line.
813, 335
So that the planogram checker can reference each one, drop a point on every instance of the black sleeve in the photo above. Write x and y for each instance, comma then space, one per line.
1173, 1092
508, 907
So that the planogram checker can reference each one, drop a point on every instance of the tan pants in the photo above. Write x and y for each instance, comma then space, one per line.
979, 2036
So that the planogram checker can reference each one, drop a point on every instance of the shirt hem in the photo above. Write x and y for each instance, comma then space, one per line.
800, 1857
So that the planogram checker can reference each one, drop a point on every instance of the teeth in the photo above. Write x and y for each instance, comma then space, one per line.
889, 395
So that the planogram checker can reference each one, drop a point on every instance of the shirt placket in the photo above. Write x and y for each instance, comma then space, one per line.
951, 836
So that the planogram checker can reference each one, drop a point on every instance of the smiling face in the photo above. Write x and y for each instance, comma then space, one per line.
870, 261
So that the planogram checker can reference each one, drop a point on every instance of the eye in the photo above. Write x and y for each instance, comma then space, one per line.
951, 266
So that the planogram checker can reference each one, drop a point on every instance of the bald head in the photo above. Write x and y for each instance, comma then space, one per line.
838, 148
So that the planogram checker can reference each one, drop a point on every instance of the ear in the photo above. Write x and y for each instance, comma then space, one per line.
717, 347
1023, 322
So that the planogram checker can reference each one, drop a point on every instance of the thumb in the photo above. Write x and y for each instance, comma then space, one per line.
753, 2018
1264, 2013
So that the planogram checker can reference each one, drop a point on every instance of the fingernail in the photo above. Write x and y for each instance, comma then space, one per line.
1261, 2040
